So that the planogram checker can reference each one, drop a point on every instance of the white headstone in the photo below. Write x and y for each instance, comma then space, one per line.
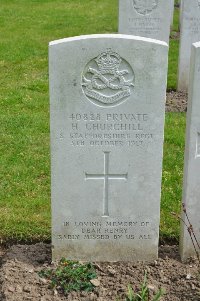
107, 116
191, 189
146, 18
180, 12
190, 33
172, 12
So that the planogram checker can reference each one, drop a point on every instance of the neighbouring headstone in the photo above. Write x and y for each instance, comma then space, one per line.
172, 14
180, 12
146, 18
107, 97
190, 33
191, 189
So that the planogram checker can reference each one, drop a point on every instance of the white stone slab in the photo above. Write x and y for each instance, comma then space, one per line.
144, 18
190, 33
180, 12
107, 117
191, 189
172, 12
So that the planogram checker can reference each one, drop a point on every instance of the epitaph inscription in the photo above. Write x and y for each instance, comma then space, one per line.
105, 230
108, 80
145, 7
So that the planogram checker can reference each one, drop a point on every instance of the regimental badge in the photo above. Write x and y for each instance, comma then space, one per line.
108, 79
145, 7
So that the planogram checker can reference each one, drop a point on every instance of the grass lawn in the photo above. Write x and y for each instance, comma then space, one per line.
26, 27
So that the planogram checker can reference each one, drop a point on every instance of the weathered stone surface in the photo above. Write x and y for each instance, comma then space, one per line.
191, 189
172, 12
143, 18
180, 12
190, 33
107, 117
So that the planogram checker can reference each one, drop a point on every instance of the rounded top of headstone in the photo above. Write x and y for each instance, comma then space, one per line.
107, 36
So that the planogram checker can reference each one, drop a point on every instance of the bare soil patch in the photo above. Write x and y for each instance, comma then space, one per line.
176, 101
21, 264
175, 35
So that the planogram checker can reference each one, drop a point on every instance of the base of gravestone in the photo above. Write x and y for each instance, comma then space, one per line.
20, 265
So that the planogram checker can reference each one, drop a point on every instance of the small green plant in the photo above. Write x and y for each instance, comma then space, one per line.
143, 295
70, 276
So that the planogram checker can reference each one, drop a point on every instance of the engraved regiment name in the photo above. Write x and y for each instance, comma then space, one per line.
110, 129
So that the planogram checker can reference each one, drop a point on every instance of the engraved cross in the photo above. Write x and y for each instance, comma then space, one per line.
106, 176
